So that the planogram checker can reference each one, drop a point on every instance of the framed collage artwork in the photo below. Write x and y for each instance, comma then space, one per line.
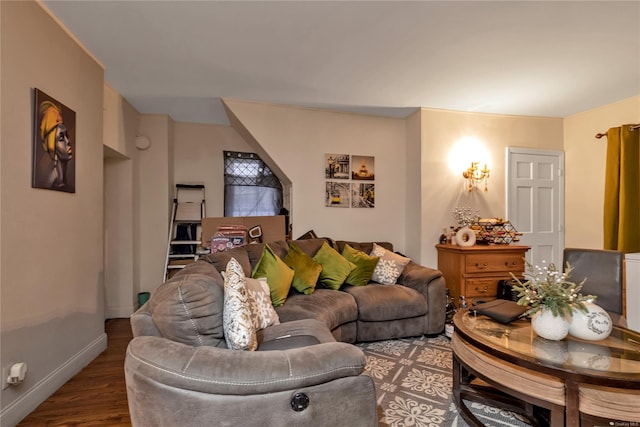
350, 181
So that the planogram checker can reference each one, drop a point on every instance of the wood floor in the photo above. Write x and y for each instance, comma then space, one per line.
97, 395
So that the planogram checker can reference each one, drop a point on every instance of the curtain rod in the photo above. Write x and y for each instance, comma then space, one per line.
633, 127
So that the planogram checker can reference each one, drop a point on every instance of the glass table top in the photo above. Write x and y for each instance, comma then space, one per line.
618, 355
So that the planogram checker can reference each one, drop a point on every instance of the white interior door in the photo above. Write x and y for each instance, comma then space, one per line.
535, 201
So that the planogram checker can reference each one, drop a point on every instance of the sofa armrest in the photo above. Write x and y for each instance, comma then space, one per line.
232, 372
429, 282
142, 323
415, 275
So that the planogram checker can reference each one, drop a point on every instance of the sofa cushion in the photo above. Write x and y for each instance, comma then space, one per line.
278, 274
262, 312
306, 271
239, 331
389, 267
188, 308
365, 265
365, 247
221, 259
328, 306
309, 247
387, 302
298, 333
335, 268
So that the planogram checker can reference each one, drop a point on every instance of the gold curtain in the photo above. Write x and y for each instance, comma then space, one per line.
622, 190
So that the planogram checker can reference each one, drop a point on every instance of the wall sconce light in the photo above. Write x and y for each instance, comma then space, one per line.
474, 176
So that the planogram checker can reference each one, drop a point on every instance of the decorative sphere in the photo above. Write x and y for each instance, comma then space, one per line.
548, 326
594, 325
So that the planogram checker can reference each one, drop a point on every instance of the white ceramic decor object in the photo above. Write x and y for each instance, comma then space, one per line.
594, 325
466, 237
548, 326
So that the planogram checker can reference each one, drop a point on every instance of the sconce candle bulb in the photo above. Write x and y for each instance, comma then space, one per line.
474, 176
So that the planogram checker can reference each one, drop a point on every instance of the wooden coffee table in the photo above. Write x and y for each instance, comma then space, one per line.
509, 358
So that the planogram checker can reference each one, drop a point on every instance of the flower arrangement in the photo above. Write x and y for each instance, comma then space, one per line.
546, 287
464, 216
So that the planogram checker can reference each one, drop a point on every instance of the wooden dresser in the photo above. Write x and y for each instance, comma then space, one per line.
475, 271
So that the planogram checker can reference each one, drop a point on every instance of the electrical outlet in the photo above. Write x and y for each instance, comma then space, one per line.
5, 375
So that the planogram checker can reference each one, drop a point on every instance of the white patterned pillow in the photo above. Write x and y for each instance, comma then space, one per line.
262, 312
389, 267
239, 332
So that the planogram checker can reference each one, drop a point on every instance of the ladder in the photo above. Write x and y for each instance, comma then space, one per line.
184, 245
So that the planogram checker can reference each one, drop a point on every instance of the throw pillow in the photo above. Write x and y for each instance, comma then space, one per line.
239, 331
306, 271
278, 274
335, 267
262, 312
365, 266
389, 266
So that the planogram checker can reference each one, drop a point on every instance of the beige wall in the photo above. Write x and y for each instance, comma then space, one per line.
413, 188
198, 159
155, 179
51, 276
585, 168
411, 155
297, 140
443, 188
121, 274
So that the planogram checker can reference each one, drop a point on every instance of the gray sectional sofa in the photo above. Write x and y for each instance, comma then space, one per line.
305, 371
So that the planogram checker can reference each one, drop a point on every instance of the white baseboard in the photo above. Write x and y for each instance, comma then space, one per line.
119, 312
25, 404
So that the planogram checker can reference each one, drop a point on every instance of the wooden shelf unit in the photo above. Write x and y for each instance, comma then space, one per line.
475, 271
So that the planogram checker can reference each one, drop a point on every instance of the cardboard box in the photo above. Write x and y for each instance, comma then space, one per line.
273, 228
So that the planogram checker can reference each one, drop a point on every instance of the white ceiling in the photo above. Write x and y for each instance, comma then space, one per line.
540, 58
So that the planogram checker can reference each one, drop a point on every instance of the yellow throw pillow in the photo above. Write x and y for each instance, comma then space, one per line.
365, 265
306, 270
335, 267
278, 274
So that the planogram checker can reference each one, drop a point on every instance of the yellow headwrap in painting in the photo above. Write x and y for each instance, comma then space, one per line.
50, 118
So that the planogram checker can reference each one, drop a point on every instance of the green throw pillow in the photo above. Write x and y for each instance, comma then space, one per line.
277, 273
335, 267
306, 270
365, 265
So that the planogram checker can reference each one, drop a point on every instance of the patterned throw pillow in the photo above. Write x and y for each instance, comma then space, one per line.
389, 267
239, 331
262, 312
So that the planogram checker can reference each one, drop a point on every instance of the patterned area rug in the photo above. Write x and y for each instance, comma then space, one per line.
413, 383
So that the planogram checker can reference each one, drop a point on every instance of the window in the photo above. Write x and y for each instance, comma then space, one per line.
250, 188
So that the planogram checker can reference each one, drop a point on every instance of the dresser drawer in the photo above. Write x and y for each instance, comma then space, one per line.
488, 263
485, 287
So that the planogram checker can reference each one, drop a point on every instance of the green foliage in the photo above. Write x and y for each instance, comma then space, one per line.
550, 288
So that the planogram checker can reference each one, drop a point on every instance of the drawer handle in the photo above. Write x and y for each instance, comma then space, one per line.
483, 265
511, 264
484, 289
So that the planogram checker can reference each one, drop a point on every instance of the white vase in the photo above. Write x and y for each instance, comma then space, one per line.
594, 325
548, 326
